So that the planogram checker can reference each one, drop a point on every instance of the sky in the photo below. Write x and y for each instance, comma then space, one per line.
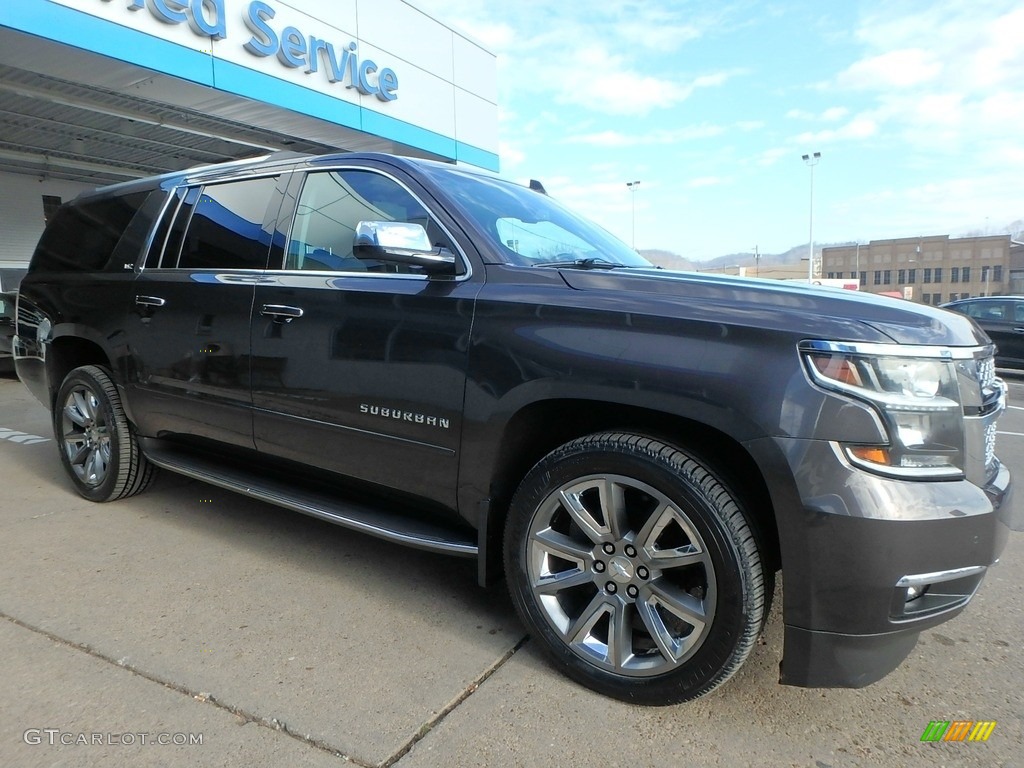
917, 109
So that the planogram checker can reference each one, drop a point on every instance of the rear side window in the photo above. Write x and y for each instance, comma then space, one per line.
986, 310
82, 236
229, 227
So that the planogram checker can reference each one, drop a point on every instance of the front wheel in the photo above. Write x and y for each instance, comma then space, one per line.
635, 568
98, 447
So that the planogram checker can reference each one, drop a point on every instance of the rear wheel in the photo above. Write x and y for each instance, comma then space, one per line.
635, 568
98, 447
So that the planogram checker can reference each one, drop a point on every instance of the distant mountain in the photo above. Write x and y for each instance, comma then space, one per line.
792, 257
667, 259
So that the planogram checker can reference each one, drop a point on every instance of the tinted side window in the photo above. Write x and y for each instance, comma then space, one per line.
330, 206
169, 236
987, 310
228, 228
82, 236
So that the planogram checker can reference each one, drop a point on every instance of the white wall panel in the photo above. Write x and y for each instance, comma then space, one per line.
475, 70
476, 120
409, 34
424, 99
21, 211
340, 14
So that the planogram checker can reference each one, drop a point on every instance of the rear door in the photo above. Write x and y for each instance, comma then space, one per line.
189, 338
359, 367
1011, 347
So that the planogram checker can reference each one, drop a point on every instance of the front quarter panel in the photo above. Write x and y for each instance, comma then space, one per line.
534, 340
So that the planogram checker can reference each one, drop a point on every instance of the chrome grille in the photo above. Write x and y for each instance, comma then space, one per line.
983, 396
987, 373
990, 445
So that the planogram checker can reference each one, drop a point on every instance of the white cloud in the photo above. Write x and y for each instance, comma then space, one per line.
611, 138
937, 94
659, 37
948, 206
621, 89
706, 181
861, 127
830, 115
495, 36
602, 57
772, 156
511, 156
1002, 59
834, 113
893, 69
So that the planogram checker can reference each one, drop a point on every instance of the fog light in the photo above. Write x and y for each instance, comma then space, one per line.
915, 592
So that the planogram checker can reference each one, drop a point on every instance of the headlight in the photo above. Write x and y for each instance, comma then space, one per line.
914, 391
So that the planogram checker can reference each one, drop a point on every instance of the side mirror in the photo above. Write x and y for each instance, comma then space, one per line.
401, 243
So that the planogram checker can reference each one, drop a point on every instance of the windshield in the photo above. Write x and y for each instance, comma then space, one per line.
529, 228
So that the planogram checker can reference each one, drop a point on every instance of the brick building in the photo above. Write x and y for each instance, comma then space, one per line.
933, 269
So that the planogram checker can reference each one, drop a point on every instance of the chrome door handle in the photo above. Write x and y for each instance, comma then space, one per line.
281, 313
150, 301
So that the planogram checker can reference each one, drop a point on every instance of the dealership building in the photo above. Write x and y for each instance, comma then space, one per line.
94, 92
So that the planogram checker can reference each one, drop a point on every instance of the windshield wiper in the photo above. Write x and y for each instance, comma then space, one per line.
591, 262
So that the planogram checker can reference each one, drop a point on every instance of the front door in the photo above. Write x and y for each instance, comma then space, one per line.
359, 367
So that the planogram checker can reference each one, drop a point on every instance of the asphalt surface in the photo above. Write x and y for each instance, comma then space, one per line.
190, 625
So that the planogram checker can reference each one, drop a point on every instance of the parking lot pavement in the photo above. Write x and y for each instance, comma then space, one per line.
285, 641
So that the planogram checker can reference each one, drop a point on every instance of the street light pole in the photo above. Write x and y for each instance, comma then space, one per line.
811, 160
632, 185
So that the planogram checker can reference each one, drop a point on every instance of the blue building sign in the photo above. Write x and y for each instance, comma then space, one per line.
293, 48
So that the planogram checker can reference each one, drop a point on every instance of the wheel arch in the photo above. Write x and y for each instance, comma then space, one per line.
541, 426
65, 353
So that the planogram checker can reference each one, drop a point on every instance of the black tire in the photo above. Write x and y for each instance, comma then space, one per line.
635, 568
97, 443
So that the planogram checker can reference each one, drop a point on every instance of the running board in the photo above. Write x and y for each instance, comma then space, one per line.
360, 517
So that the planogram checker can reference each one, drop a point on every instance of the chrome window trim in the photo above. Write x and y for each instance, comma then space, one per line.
153, 229
364, 275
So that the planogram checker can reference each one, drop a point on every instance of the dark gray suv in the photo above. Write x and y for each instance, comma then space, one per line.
447, 360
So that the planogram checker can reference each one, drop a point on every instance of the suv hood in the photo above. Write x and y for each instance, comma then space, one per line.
826, 310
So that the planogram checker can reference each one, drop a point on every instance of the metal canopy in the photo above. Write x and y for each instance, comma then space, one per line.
57, 128
67, 113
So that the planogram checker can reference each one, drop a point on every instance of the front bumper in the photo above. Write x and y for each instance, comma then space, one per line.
858, 547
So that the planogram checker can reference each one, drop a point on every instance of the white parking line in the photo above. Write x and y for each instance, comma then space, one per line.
1015, 407
21, 437
1014, 434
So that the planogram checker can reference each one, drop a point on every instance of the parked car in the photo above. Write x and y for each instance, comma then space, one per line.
7, 309
1002, 318
11, 274
451, 361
